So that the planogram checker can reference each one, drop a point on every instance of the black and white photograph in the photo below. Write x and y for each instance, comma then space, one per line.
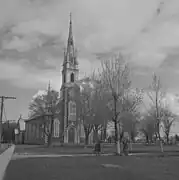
89, 89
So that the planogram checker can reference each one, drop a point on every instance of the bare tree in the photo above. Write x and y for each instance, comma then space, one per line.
129, 123
147, 127
92, 105
115, 80
168, 119
156, 96
100, 109
85, 109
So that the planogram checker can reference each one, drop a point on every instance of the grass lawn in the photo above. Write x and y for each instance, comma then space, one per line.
136, 148
90, 168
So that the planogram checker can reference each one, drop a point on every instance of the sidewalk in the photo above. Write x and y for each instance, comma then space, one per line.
5, 157
31, 155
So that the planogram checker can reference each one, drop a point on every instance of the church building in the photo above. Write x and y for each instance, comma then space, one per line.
68, 125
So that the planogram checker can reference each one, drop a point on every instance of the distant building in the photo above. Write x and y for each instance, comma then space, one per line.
8, 130
20, 131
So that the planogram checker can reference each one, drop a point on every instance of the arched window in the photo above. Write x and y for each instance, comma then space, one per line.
72, 77
72, 110
56, 128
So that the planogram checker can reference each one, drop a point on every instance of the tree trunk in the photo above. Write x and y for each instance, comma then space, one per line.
118, 148
117, 139
121, 135
167, 136
150, 138
160, 141
156, 135
161, 146
86, 139
132, 135
86, 130
96, 134
147, 138
130, 143
49, 140
50, 133
104, 135
116, 125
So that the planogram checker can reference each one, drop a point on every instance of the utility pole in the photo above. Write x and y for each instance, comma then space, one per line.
1, 115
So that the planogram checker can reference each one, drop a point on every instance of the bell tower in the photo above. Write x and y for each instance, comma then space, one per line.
70, 65
70, 73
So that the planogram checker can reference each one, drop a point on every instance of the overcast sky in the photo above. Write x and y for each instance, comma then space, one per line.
33, 34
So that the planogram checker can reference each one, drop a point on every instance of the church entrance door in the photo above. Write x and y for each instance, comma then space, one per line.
71, 135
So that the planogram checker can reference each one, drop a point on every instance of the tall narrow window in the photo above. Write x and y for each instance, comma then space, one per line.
72, 111
37, 131
72, 77
72, 108
56, 132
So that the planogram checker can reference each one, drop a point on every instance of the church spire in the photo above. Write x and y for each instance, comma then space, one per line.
70, 63
70, 36
70, 53
48, 102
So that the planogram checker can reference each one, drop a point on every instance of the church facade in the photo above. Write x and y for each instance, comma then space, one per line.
71, 124
68, 127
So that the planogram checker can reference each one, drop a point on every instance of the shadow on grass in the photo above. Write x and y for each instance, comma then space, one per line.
68, 168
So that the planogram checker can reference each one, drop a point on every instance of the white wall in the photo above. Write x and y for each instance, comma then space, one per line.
22, 125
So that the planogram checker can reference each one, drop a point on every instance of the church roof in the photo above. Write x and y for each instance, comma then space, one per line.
85, 83
82, 84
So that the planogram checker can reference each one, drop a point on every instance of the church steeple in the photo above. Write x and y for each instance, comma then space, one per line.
70, 64
70, 52
70, 36
49, 99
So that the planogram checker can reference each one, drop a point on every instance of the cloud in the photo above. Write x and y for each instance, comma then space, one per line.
170, 99
151, 48
10, 71
103, 28
39, 93
39, 30
21, 44
24, 76
28, 78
